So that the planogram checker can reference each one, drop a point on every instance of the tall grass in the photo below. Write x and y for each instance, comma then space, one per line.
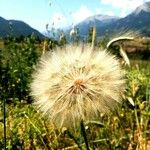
127, 128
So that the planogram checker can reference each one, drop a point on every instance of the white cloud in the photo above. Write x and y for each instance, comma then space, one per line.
81, 14
125, 6
58, 20
104, 12
109, 13
98, 11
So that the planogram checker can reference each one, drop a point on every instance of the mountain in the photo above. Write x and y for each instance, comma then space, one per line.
98, 20
138, 20
16, 28
143, 8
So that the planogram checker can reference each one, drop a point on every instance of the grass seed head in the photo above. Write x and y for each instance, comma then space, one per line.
76, 83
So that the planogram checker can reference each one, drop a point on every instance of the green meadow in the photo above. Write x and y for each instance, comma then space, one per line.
23, 127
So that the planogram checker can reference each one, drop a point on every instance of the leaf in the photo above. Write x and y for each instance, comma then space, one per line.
131, 101
96, 123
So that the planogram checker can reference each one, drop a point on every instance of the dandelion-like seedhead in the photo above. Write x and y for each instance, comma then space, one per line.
77, 83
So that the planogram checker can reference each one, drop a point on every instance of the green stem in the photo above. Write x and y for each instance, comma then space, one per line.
136, 117
4, 115
72, 137
84, 135
37, 129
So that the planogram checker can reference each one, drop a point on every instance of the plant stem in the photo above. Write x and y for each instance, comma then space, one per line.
4, 115
72, 137
84, 135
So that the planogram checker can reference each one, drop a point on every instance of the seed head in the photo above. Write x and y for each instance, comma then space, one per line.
77, 83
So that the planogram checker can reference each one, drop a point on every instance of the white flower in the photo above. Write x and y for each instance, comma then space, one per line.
73, 32
77, 83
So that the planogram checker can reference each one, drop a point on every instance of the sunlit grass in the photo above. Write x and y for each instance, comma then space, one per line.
128, 128
125, 129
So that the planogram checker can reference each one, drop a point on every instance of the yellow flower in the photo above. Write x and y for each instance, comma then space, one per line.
77, 83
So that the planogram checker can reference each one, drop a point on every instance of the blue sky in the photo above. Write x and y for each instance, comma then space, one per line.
62, 13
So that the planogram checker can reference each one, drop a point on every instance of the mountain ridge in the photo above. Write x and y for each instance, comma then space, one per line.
138, 20
16, 28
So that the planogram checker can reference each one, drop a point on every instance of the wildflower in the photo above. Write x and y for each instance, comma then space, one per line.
73, 32
77, 83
